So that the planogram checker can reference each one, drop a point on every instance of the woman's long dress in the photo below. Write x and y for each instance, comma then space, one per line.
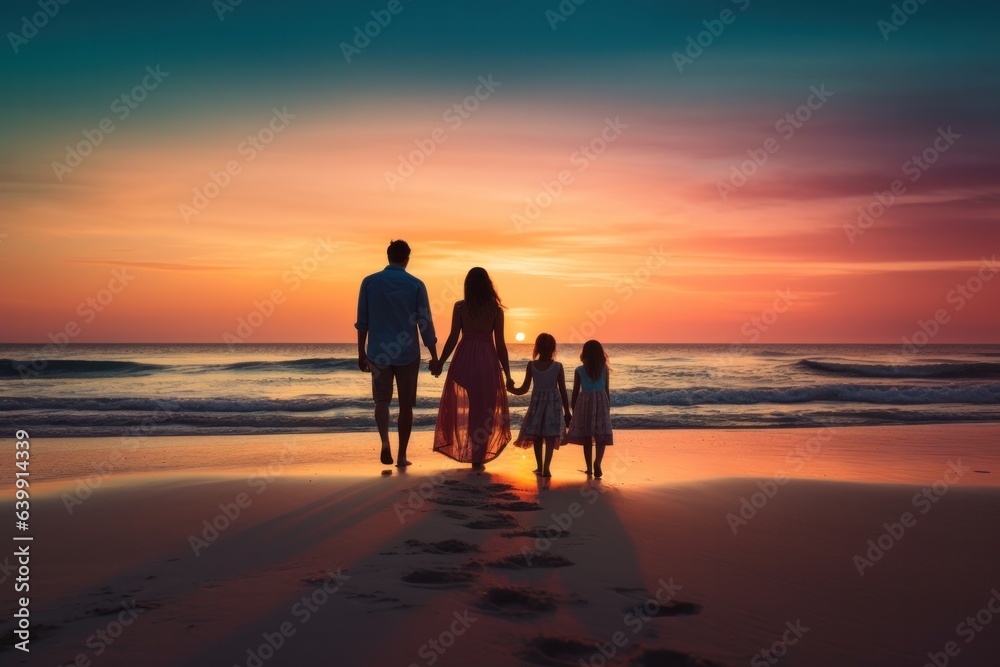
473, 424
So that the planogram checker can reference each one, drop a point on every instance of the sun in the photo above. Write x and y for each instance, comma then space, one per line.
519, 336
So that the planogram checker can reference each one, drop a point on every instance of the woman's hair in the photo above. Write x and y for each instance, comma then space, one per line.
545, 346
594, 359
481, 298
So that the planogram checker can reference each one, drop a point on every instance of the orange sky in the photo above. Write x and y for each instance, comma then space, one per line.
638, 242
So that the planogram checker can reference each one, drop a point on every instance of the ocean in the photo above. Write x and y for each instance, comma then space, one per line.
194, 389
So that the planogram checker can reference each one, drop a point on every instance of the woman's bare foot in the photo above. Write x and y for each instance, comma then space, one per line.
597, 471
479, 467
546, 473
403, 464
386, 455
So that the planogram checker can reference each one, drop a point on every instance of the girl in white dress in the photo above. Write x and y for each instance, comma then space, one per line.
548, 412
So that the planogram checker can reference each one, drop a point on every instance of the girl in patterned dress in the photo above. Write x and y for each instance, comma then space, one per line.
548, 410
591, 424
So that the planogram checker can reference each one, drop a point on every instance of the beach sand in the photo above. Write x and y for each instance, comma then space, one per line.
316, 557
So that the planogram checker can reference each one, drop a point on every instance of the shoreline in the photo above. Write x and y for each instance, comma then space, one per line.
690, 544
886, 454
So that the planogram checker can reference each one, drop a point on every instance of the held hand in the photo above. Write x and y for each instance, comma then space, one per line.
435, 367
510, 385
363, 363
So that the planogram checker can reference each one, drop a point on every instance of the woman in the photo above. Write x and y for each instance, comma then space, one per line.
473, 424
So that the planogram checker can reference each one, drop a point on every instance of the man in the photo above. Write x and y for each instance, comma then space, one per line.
392, 303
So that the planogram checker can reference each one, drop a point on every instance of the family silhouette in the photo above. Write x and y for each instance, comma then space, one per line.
473, 421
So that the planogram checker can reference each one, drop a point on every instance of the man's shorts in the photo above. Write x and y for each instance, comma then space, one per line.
406, 382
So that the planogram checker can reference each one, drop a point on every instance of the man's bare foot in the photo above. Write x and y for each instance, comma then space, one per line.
386, 456
546, 473
478, 467
403, 464
588, 472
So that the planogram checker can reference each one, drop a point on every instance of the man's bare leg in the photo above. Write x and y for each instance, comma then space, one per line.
405, 426
382, 421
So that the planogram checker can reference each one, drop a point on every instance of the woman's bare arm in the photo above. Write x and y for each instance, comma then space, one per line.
456, 329
501, 345
523, 389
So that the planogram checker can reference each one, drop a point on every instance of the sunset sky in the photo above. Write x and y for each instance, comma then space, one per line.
641, 240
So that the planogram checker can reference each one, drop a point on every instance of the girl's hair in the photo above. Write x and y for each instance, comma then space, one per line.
545, 346
481, 298
594, 359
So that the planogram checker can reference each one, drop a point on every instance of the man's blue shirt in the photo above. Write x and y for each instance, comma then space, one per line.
391, 304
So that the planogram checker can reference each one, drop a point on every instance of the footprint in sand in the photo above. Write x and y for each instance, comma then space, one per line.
648, 604
567, 651
662, 657
440, 578
117, 608
558, 651
36, 632
380, 601
521, 602
536, 532
492, 522
455, 501
443, 547
514, 506
526, 560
